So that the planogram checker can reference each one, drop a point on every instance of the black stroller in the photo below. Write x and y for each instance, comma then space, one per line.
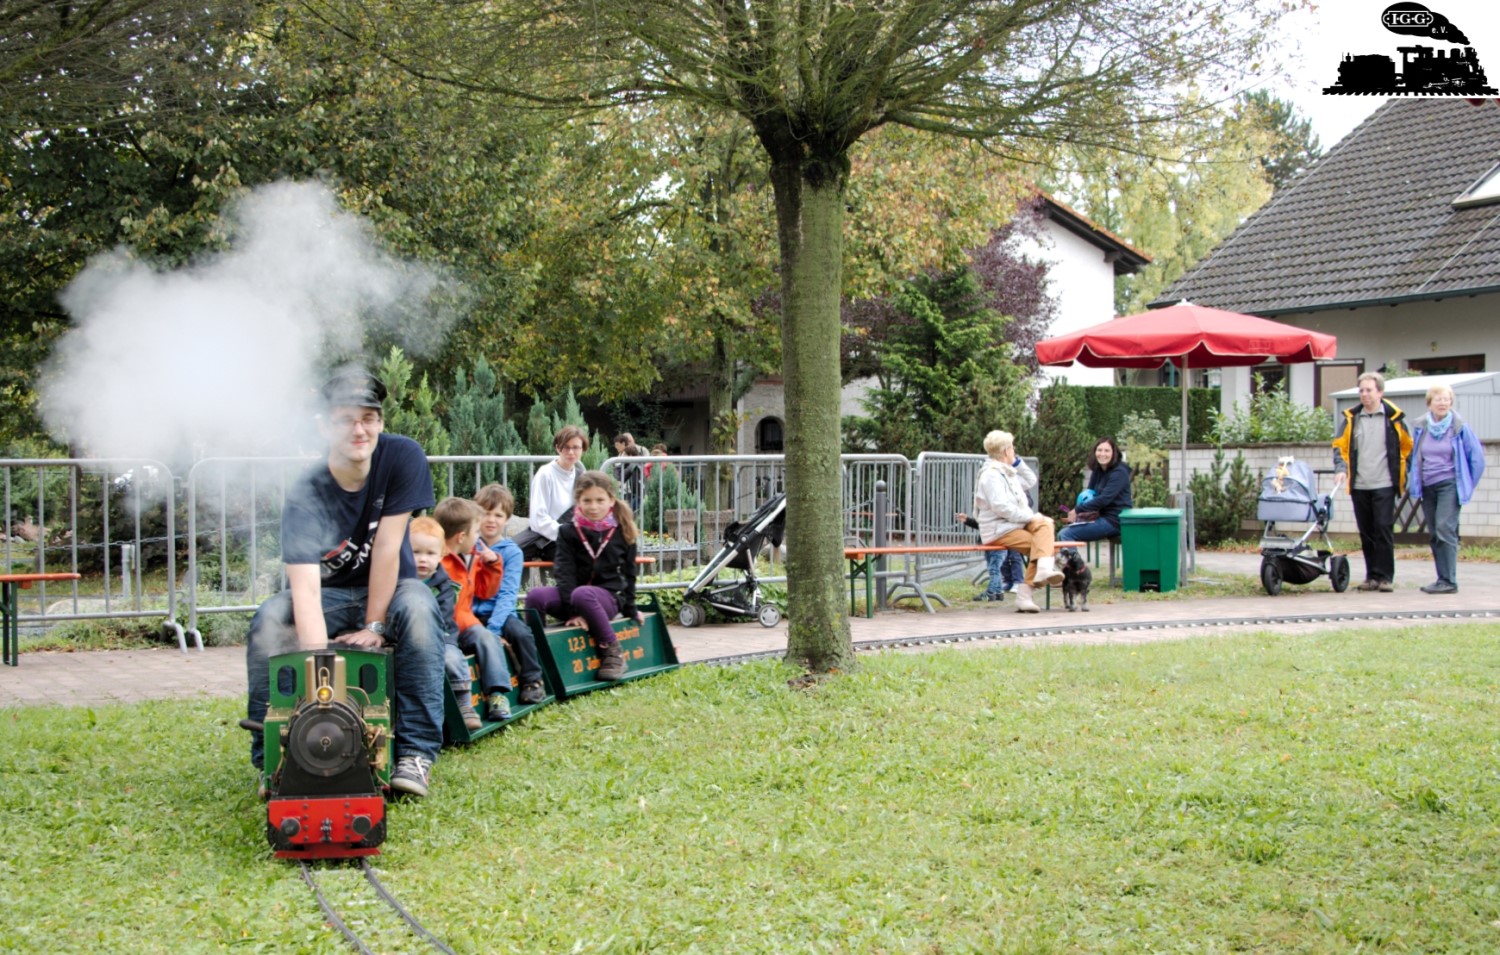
742, 542
1289, 494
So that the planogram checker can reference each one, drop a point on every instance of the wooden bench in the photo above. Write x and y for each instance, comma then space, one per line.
10, 639
862, 564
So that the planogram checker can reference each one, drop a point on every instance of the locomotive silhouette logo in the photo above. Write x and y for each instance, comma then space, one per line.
1423, 70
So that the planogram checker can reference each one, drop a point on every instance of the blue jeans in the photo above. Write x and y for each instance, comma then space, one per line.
489, 653
414, 633
1006, 569
1440, 509
1102, 529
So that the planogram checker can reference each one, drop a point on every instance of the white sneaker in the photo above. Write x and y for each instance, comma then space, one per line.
1024, 603
1047, 574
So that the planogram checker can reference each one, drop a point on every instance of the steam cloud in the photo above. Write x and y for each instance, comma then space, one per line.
224, 356
1414, 19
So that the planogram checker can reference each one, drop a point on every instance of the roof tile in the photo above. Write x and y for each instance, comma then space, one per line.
1372, 220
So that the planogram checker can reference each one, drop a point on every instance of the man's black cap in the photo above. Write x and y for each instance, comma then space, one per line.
354, 387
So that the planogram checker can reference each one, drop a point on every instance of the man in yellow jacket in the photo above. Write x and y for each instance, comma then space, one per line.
1370, 452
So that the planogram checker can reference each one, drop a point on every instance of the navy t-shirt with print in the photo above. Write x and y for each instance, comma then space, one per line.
324, 524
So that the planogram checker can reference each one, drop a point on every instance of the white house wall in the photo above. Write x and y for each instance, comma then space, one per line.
1399, 333
1082, 283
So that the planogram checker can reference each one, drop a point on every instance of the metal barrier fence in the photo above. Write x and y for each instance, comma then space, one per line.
234, 521
109, 518
118, 521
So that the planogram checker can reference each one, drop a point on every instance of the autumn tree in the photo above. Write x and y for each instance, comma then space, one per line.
1183, 186
811, 79
1293, 144
441, 182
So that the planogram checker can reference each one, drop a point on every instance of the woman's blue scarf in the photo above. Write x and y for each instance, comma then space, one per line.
1439, 429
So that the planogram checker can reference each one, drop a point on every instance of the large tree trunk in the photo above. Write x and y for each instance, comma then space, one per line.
810, 218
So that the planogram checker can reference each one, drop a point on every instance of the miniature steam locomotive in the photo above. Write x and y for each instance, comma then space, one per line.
329, 751
328, 743
1422, 71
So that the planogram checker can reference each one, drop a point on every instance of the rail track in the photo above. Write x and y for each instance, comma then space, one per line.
1224, 623
355, 940
415, 928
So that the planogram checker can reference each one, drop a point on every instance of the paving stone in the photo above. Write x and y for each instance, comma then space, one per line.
88, 678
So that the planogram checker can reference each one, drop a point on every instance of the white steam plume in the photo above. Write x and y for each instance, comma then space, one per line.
224, 356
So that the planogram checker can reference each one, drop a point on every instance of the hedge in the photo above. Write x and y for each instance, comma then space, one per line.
1106, 407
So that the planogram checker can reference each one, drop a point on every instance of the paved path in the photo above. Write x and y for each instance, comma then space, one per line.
106, 676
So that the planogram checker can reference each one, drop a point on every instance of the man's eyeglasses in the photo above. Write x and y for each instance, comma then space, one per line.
371, 421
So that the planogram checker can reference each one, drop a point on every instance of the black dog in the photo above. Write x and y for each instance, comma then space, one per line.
1077, 578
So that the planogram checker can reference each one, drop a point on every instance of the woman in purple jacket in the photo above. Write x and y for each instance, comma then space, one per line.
1446, 462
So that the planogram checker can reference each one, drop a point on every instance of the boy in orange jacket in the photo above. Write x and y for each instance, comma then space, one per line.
459, 519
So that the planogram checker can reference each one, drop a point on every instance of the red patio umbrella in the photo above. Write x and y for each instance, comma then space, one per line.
1189, 336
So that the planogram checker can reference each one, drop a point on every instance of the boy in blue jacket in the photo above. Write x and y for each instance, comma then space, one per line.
499, 612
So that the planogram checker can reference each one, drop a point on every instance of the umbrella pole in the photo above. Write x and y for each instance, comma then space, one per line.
1182, 475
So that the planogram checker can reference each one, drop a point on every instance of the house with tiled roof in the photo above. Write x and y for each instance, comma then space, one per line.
1391, 242
1083, 260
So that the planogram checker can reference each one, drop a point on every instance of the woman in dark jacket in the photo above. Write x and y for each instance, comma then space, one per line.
1097, 516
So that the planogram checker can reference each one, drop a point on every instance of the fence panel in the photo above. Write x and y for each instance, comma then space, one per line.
687, 502
234, 533
118, 517
113, 519
944, 487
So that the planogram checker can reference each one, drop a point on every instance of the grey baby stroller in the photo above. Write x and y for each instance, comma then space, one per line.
743, 540
1289, 495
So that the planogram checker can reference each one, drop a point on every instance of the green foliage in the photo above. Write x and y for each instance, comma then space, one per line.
946, 375
1223, 498
1060, 439
411, 410
477, 419
543, 421
643, 417
665, 491
1144, 440
1123, 785
1107, 409
1272, 417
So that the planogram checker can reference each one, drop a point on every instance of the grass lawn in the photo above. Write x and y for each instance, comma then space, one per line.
1325, 793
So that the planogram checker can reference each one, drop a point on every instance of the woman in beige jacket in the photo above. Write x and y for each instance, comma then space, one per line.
1005, 515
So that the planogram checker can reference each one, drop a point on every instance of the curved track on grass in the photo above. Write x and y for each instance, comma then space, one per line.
352, 937
1227, 623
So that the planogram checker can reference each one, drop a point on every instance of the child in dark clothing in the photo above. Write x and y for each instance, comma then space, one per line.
427, 548
1006, 566
595, 569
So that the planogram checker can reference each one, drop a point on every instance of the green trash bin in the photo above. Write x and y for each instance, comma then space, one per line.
1150, 537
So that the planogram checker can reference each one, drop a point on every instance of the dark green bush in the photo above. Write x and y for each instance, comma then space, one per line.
1223, 498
